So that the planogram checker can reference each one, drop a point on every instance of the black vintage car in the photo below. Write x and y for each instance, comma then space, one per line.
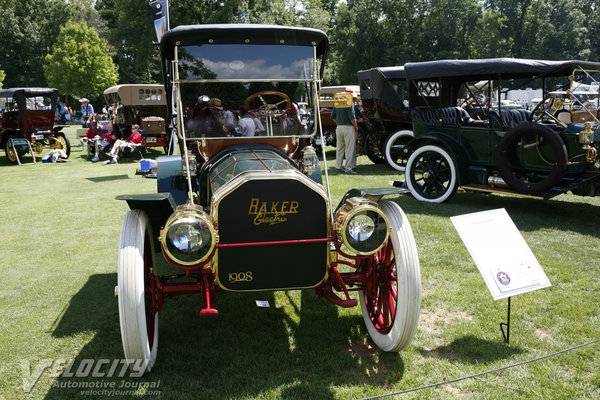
27, 123
464, 137
244, 208
386, 113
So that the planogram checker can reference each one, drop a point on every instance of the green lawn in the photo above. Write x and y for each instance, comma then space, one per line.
59, 237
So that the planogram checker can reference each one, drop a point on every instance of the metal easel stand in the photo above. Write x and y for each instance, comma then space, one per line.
506, 324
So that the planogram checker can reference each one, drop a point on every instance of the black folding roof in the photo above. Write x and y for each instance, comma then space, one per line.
188, 35
507, 68
27, 91
393, 73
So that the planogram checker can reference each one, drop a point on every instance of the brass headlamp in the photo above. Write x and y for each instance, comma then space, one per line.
188, 237
362, 226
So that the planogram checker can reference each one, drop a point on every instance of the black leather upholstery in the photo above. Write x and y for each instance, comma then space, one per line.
445, 116
510, 118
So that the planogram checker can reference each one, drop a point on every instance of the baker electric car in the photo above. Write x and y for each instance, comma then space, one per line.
245, 207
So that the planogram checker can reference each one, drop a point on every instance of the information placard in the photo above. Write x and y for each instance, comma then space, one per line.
504, 259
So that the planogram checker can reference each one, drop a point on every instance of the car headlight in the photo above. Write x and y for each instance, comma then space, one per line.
362, 226
188, 237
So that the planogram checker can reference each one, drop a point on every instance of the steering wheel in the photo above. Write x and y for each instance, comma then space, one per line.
268, 102
542, 112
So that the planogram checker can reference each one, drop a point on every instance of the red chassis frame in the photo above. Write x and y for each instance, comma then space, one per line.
374, 274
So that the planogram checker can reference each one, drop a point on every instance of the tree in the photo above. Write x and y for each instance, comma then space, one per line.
2, 76
79, 64
130, 34
27, 31
489, 41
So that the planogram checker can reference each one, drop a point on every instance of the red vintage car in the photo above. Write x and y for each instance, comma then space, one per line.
27, 123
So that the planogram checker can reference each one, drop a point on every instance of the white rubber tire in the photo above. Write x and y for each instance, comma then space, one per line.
404, 135
136, 240
415, 163
408, 284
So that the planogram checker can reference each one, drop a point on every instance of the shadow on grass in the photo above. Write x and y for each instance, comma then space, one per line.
472, 349
106, 178
244, 352
527, 214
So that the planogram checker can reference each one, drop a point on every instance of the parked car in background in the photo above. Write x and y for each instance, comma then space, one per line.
27, 118
540, 153
326, 103
386, 113
246, 211
142, 104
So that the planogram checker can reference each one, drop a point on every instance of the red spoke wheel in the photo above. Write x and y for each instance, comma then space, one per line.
391, 298
136, 292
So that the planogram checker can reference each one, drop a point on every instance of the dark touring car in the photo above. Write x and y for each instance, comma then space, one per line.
462, 140
245, 208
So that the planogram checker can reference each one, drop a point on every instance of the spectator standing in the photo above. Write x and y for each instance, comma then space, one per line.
345, 134
63, 113
246, 125
87, 112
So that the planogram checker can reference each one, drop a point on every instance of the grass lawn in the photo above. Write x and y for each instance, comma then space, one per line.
59, 234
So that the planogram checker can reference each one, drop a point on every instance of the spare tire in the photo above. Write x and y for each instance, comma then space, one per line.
507, 152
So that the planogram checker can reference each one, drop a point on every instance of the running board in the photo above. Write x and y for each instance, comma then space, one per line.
505, 191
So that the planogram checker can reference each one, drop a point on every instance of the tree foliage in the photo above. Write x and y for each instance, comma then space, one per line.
79, 64
367, 33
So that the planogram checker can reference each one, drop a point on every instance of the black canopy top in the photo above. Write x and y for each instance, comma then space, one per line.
507, 68
189, 35
392, 73
27, 92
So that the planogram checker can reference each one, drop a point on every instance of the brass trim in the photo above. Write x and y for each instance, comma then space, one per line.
348, 210
185, 211
248, 176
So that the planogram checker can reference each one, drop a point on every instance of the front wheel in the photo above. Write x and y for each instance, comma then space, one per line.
394, 148
139, 322
431, 174
391, 299
10, 152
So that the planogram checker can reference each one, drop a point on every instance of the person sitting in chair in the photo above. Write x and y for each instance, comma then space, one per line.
104, 143
134, 140
91, 135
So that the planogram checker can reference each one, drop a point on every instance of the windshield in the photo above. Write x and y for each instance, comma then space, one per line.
244, 62
232, 90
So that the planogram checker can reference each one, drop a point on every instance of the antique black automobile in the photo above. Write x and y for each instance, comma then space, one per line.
542, 152
244, 208
386, 113
27, 123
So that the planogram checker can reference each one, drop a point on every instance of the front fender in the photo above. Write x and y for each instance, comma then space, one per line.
455, 149
372, 193
158, 207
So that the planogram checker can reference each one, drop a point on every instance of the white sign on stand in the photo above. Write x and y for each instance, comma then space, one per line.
502, 256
